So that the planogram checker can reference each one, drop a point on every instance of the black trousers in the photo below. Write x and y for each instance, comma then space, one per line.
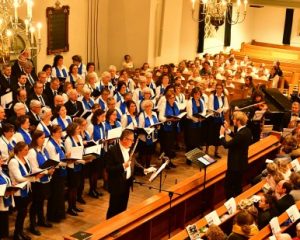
21, 206
40, 192
56, 201
118, 202
233, 183
4, 229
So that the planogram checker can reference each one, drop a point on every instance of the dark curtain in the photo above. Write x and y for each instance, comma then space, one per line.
227, 36
288, 26
201, 30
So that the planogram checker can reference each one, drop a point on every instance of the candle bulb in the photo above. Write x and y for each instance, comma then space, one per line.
16, 5
193, 4
8, 35
29, 9
32, 30
39, 27
26, 21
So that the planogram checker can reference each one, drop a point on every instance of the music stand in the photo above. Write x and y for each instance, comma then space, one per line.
204, 162
159, 172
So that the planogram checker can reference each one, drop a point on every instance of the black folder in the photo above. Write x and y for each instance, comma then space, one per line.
49, 164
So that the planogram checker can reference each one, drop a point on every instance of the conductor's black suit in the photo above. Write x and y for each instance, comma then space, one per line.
237, 160
118, 185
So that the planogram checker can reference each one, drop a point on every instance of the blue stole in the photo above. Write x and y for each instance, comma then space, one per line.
140, 95
58, 73
109, 127
162, 90
80, 69
168, 125
129, 119
24, 192
26, 136
60, 152
77, 167
88, 104
195, 111
102, 104
87, 136
46, 130
123, 107
151, 85
41, 158
4, 179
118, 97
98, 132
61, 122
71, 79
219, 119
10, 146
149, 140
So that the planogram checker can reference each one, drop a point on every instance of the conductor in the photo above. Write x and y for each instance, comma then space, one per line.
119, 170
237, 160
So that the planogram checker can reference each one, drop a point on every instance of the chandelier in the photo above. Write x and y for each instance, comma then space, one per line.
17, 34
215, 11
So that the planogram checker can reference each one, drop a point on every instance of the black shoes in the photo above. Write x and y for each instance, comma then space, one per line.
34, 231
21, 236
72, 212
93, 194
100, 194
81, 200
44, 224
77, 209
217, 156
172, 165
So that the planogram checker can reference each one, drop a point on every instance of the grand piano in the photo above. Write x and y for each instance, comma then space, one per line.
278, 105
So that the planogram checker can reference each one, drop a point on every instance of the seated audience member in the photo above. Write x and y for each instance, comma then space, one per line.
284, 198
288, 144
243, 227
297, 232
290, 118
295, 180
283, 167
283, 236
214, 232
266, 210
273, 177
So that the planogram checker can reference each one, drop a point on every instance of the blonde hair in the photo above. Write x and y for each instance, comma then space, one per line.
240, 116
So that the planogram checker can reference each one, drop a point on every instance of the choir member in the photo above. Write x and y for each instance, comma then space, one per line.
194, 106
170, 126
147, 144
87, 100
37, 156
131, 117
6, 201
74, 169
56, 200
6, 142
19, 167
91, 82
77, 60
23, 133
62, 119
105, 82
217, 102
58, 68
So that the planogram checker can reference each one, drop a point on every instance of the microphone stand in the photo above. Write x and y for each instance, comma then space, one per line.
170, 194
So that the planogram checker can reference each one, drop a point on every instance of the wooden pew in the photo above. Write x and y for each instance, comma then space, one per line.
272, 45
151, 217
271, 53
266, 231
222, 210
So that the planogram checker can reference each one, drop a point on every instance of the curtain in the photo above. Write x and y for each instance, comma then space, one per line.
228, 19
289, 14
201, 30
93, 49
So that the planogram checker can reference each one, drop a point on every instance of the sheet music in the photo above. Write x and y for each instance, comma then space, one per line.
293, 213
230, 206
76, 152
114, 133
274, 225
6, 99
2, 189
258, 115
155, 174
295, 165
93, 149
213, 218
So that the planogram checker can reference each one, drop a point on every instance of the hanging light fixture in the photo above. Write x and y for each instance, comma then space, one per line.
17, 34
216, 10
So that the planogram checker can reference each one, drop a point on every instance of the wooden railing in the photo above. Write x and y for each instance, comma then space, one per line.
151, 217
271, 45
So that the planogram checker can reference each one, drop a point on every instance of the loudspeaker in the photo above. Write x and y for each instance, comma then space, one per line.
201, 30
288, 26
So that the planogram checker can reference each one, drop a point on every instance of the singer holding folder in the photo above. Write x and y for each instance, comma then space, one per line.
6, 201
119, 170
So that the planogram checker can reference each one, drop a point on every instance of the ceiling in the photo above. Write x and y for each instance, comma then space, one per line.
285, 3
